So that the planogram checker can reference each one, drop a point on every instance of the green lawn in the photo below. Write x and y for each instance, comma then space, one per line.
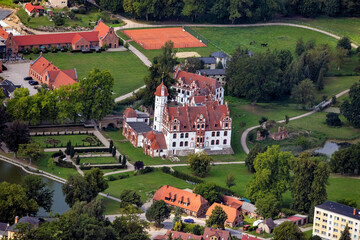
308, 234
42, 164
7, 3
339, 187
111, 206
128, 71
99, 160
87, 20
277, 37
335, 85
341, 26
145, 184
62, 140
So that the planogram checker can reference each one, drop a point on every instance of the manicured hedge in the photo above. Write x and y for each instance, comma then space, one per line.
85, 150
88, 167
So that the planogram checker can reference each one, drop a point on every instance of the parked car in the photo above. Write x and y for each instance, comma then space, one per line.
257, 222
28, 78
32, 83
189, 220
246, 227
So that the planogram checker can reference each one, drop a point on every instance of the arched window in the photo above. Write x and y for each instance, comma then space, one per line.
224, 142
186, 143
212, 142
181, 144
174, 135
186, 135
217, 142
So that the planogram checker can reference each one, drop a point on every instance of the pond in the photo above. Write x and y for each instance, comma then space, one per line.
14, 174
328, 149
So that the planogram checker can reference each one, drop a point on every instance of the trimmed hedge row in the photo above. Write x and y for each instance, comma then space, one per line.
88, 167
92, 150
193, 179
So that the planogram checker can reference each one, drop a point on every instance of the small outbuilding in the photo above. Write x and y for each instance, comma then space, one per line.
267, 226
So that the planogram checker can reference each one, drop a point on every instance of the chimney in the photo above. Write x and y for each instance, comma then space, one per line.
16, 219
354, 211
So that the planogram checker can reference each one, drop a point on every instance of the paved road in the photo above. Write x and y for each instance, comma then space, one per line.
246, 132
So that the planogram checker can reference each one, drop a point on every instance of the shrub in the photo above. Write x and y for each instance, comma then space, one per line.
332, 119
111, 178
186, 177
166, 170
146, 170
122, 176
288, 212
86, 150
83, 167
36, 50
57, 154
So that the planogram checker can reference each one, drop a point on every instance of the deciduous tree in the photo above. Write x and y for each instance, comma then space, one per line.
304, 93
209, 192
158, 212
288, 230
17, 133
32, 150
351, 109
130, 197
217, 218
37, 190
250, 158
130, 226
268, 206
199, 163
230, 180
345, 235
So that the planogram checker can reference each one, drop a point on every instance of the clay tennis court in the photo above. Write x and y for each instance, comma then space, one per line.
155, 38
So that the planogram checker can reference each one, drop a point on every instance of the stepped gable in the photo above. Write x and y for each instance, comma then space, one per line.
188, 200
157, 140
201, 81
188, 115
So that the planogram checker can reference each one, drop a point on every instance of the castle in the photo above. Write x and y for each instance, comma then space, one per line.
201, 123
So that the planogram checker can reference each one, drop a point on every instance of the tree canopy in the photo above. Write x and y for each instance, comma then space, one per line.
208, 191
199, 163
158, 212
288, 230
346, 160
217, 218
17, 133
351, 109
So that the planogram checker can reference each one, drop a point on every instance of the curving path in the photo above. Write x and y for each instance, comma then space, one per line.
246, 132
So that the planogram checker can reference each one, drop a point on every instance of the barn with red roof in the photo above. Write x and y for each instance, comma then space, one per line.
46, 72
102, 35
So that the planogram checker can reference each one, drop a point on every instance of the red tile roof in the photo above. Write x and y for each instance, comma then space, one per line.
55, 38
159, 88
232, 213
3, 33
76, 38
248, 237
102, 29
41, 65
62, 79
29, 7
194, 201
38, 7
182, 235
188, 115
231, 202
130, 113
157, 140
201, 81
220, 234
294, 218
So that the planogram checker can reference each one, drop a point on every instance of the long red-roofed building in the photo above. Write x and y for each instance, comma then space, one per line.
191, 203
47, 73
98, 37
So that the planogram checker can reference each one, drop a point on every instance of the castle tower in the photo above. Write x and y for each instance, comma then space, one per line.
161, 95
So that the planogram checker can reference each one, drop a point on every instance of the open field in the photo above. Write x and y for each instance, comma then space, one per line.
277, 37
339, 187
145, 184
98, 160
128, 71
335, 85
111, 206
42, 164
7, 3
62, 140
340, 26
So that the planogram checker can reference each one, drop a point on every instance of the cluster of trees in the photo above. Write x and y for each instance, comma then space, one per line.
24, 199
272, 179
346, 160
276, 74
199, 163
351, 109
91, 98
226, 11
161, 70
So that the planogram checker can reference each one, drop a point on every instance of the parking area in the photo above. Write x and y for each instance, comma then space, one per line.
16, 72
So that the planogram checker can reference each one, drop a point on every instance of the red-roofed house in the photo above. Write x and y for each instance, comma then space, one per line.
248, 237
234, 216
33, 9
154, 144
191, 84
231, 202
190, 203
135, 125
45, 72
216, 234
176, 235
100, 36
